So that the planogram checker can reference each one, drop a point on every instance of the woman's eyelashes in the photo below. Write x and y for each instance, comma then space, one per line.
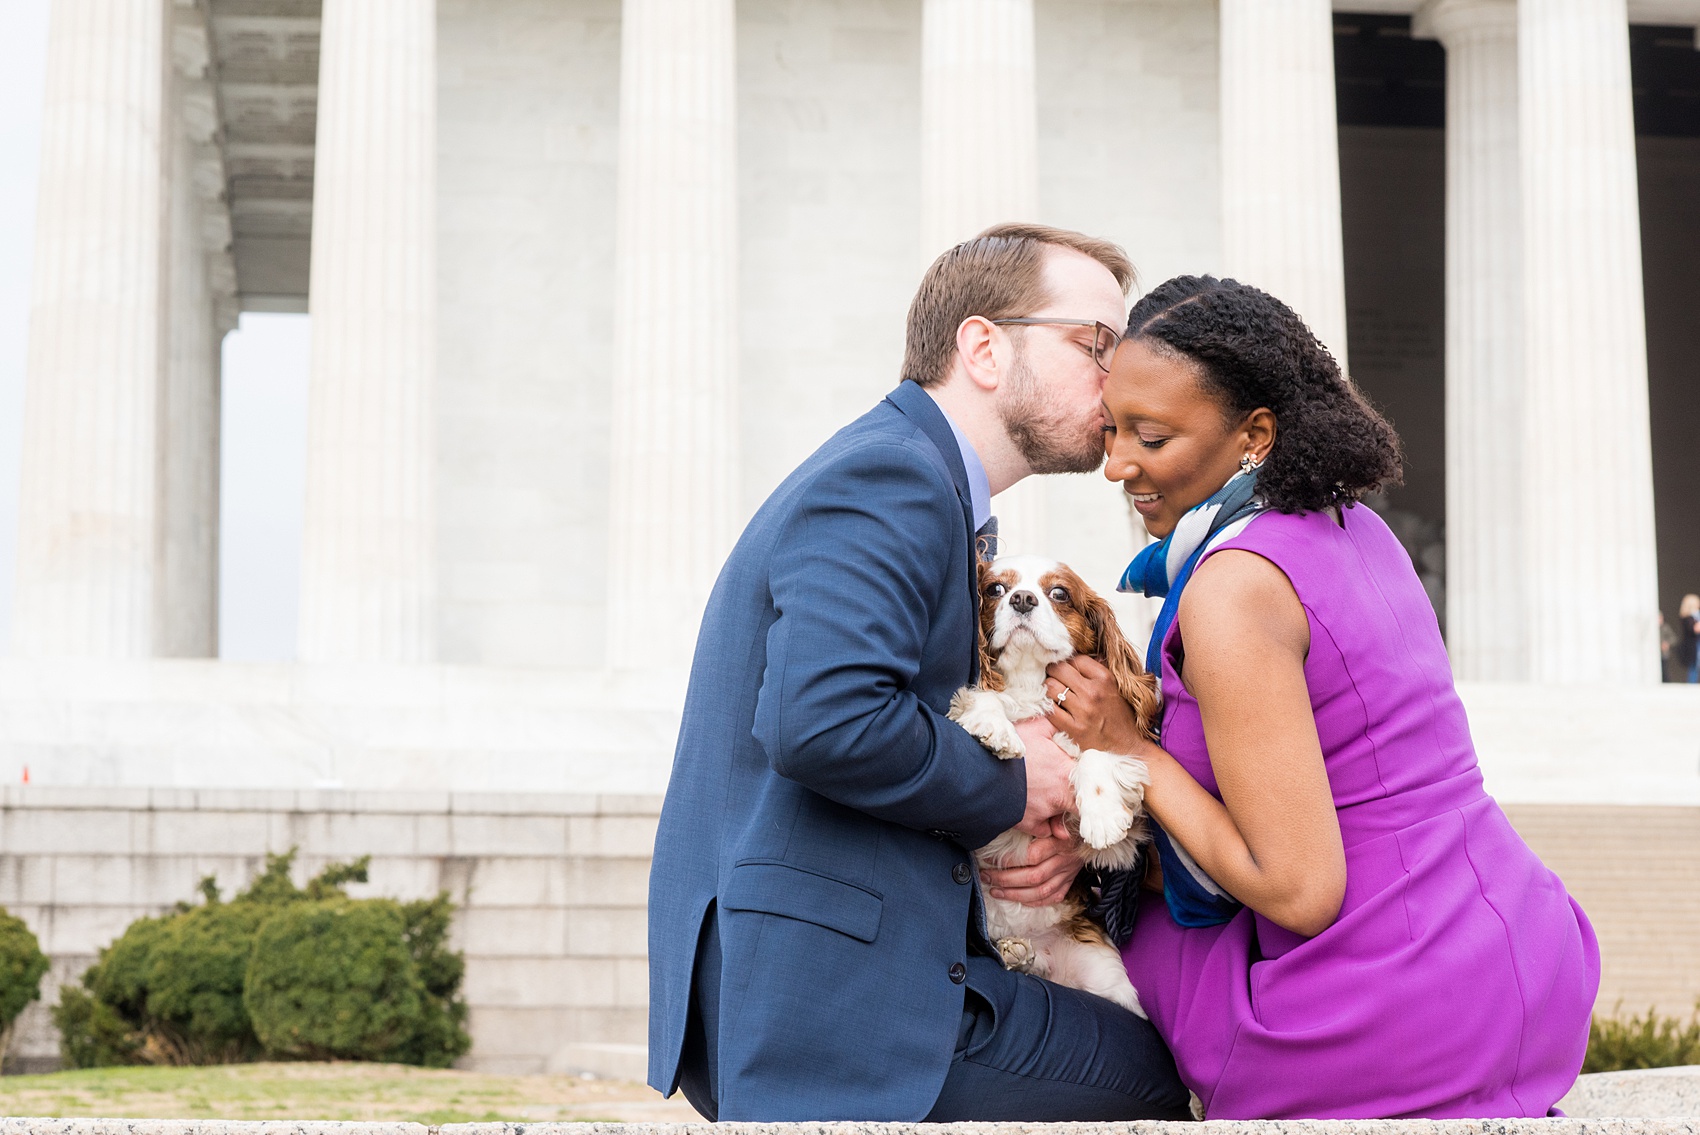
1148, 442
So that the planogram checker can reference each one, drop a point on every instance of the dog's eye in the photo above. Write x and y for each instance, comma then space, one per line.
1059, 594
996, 590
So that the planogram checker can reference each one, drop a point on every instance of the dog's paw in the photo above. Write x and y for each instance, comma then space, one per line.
1104, 825
982, 715
1104, 814
1017, 954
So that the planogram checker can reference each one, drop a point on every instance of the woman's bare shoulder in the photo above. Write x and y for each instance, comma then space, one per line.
1237, 596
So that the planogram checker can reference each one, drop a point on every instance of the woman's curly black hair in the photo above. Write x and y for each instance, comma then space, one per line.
1252, 350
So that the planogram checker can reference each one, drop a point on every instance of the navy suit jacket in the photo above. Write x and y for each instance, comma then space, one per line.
820, 799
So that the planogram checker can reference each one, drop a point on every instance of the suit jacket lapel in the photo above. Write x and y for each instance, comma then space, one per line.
918, 406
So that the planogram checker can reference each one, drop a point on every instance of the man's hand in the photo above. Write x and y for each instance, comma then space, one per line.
1052, 864
1049, 792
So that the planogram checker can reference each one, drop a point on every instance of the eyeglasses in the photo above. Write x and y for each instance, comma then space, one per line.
1104, 340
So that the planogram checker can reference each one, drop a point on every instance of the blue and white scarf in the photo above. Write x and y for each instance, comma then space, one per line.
1162, 571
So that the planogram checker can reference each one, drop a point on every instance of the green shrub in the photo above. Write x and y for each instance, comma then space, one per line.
176, 989
333, 980
21, 966
1617, 1044
194, 984
441, 1036
92, 1034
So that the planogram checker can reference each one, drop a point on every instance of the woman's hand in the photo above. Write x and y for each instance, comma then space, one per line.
1051, 867
1090, 708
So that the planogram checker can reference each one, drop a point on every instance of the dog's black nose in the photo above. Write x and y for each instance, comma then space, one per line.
1023, 601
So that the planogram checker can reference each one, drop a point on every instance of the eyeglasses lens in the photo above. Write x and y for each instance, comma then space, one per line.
1103, 347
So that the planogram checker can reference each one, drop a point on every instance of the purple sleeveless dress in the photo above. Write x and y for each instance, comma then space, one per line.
1459, 978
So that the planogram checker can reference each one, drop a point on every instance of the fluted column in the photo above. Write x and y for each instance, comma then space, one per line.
200, 301
1281, 159
87, 508
368, 547
1485, 588
979, 160
1587, 487
674, 447
979, 119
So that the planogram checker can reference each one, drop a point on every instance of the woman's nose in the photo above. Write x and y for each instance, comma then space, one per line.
1117, 467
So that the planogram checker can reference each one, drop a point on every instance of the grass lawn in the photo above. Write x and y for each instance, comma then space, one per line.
331, 1091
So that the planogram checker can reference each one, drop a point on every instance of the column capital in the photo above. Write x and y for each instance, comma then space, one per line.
1446, 20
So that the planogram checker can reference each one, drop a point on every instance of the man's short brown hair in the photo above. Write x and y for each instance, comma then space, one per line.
999, 274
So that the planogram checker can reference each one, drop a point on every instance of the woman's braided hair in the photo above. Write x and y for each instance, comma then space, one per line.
1252, 350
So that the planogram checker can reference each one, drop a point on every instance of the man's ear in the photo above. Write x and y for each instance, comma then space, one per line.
981, 351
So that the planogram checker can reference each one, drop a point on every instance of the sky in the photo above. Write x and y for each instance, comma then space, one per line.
265, 391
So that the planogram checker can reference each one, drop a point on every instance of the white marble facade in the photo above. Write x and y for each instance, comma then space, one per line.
597, 292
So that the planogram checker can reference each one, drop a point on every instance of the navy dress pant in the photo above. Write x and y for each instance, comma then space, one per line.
1027, 1050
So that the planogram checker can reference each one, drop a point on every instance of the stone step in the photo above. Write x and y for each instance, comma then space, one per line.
1147, 1127
1647, 1092
607, 1061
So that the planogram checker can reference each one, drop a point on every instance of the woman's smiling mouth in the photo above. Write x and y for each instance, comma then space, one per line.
1146, 503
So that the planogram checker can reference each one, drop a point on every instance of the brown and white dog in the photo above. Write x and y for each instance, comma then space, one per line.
1034, 612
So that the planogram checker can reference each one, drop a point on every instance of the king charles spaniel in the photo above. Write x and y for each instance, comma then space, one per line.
1034, 612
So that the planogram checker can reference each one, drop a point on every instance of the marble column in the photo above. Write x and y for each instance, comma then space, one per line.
86, 571
199, 296
979, 119
1281, 159
673, 503
368, 548
1589, 553
979, 163
1485, 634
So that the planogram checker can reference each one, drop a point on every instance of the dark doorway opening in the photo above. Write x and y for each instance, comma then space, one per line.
1391, 95
1391, 98
1665, 70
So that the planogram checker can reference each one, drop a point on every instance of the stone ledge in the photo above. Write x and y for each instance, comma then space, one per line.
1288, 1127
332, 801
1649, 1092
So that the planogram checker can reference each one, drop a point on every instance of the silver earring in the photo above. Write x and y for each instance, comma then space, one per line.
1249, 464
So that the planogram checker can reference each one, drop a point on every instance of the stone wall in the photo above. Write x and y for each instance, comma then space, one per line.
551, 888
1636, 872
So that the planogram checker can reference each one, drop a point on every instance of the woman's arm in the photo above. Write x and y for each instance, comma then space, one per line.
1273, 841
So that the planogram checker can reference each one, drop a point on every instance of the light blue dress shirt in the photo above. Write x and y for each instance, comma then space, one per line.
979, 488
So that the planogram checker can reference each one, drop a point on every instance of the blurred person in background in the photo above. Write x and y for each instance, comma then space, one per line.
1688, 639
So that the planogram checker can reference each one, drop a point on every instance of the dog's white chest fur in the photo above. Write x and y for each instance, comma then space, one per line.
1033, 613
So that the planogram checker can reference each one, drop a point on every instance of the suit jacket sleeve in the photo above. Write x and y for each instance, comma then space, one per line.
857, 578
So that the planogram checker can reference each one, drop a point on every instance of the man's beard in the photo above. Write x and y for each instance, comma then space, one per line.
1046, 438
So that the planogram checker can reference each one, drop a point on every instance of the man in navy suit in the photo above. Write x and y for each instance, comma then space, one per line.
816, 941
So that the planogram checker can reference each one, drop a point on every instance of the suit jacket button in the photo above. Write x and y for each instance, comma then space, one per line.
961, 873
958, 972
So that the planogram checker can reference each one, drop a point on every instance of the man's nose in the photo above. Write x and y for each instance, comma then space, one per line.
1023, 601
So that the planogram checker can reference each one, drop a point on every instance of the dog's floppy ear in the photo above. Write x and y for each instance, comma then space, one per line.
1137, 688
991, 678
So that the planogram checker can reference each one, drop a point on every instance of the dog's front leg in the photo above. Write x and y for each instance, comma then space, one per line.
981, 712
1108, 789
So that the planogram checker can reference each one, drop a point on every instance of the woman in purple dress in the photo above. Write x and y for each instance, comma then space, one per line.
1347, 927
